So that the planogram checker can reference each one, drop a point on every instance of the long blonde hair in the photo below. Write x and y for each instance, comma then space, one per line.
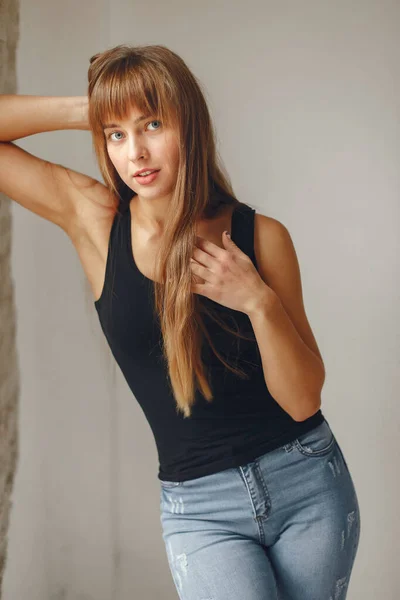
157, 81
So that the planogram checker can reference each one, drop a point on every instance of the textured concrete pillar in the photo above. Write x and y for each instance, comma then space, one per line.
9, 375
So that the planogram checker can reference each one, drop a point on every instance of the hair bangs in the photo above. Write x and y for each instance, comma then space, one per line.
125, 87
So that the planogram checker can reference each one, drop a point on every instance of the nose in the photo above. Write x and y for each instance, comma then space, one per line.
136, 149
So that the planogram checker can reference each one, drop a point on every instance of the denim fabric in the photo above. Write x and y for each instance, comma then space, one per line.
285, 526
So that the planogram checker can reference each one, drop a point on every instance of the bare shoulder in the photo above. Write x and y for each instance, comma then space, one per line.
275, 253
93, 208
90, 226
92, 214
269, 236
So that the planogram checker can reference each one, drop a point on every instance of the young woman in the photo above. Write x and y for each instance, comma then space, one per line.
256, 498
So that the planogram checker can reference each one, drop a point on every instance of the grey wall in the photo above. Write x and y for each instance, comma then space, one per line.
305, 97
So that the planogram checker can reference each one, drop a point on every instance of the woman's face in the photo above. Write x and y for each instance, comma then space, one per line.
142, 142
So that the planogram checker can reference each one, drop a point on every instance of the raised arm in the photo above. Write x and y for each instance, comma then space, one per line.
22, 115
50, 190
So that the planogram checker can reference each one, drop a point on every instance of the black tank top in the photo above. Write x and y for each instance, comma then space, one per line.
243, 421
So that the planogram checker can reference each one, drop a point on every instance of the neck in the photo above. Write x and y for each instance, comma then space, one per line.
150, 214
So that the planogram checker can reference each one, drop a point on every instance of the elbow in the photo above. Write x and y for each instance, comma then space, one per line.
308, 411
312, 402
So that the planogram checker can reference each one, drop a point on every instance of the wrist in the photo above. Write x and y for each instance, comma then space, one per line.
263, 303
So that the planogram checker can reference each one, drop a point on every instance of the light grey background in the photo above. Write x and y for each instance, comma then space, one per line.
305, 96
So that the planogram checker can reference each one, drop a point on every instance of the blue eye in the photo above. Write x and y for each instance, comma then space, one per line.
112, 133
155, 121
151, 122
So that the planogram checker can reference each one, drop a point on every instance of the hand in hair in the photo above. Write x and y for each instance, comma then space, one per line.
230, 277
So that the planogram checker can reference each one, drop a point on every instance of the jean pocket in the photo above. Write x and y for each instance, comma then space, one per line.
342, 455
317, 442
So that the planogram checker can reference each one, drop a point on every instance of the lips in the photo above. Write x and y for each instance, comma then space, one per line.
147, 179
139, 173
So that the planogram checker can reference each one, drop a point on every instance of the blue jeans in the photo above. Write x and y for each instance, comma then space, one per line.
285, 526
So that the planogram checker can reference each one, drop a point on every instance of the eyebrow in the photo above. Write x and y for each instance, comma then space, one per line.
141, 118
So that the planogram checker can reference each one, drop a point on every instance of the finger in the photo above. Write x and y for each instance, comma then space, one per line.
209, 247
201, 274
203, 257
197, 288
